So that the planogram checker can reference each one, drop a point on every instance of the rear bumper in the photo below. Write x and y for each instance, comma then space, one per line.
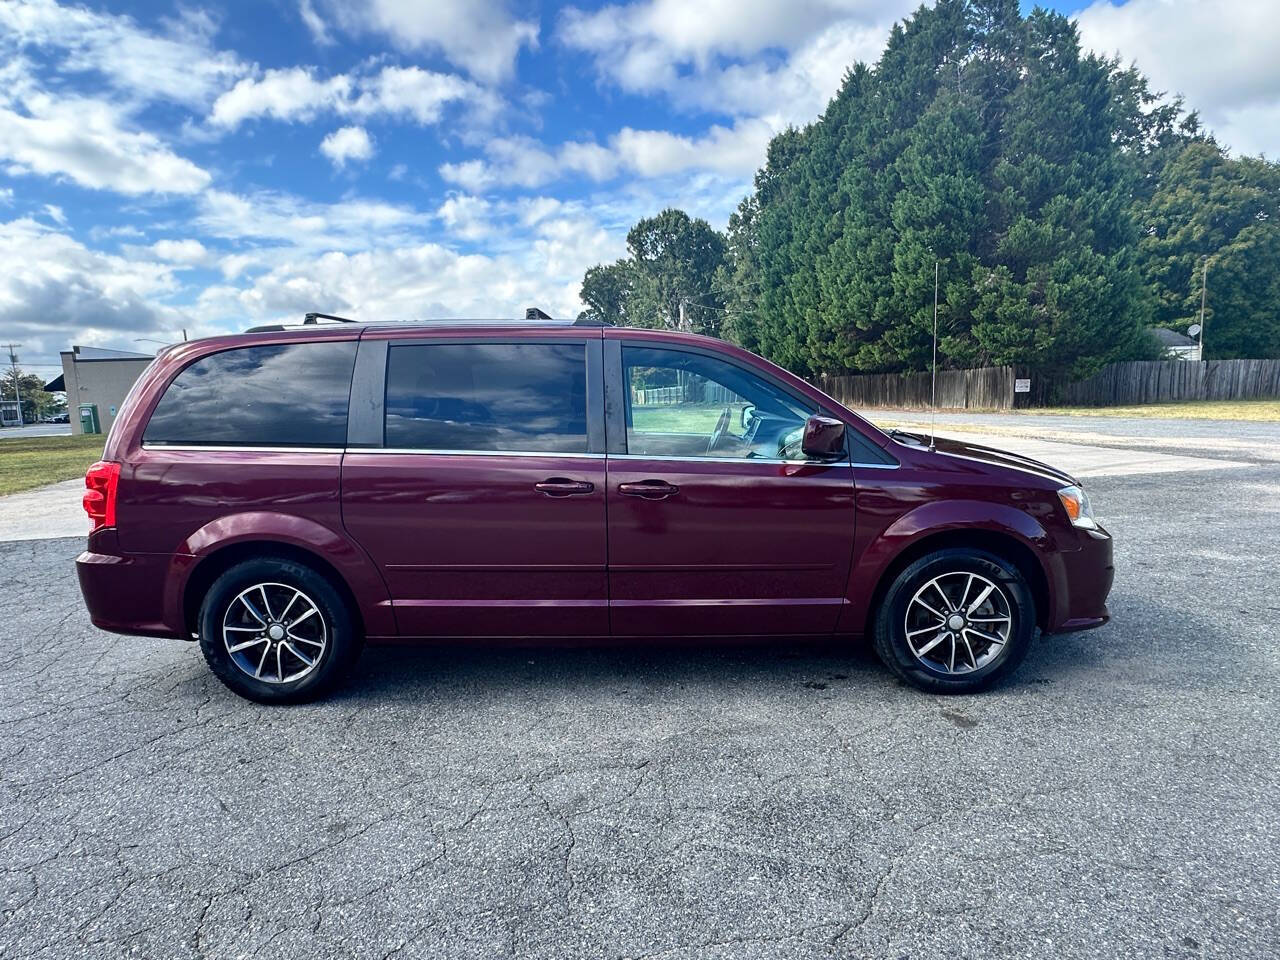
1085, 582
124, 593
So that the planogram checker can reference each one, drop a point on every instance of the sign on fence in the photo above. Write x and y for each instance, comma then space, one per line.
1022, 385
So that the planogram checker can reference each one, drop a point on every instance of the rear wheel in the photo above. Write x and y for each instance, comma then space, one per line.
276, 631
956, 621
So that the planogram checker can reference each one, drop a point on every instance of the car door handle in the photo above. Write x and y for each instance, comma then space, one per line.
564, 487
649, 489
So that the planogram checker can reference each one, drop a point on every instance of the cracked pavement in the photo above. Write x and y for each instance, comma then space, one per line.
1116, 798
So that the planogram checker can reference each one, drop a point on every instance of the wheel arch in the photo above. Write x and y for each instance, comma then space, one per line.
219, 561
1003, 545
235, 537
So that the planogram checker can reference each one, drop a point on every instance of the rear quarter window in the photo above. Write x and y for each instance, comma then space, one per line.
278, 395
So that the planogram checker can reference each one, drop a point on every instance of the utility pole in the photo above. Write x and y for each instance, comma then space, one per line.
684, 323
13, 362
933, 395
1204, 292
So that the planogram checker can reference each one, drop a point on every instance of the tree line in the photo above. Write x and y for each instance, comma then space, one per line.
1068, 206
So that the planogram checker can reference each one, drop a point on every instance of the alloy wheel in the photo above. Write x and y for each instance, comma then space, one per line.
958, 622
274, 633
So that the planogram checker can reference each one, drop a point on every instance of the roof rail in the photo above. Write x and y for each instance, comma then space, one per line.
532, 317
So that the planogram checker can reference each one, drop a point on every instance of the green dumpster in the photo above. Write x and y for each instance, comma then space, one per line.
89, 418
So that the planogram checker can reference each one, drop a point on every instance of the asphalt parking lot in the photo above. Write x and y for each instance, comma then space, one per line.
1116, 798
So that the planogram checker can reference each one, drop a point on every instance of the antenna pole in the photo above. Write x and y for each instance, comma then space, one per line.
933, 400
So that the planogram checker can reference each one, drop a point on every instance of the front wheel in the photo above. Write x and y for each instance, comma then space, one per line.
276, 631
956, 621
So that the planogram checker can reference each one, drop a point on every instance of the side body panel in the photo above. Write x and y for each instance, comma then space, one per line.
741, 548
184, 505
467, 542
468, 547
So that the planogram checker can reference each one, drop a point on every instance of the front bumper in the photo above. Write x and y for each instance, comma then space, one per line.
1085, 580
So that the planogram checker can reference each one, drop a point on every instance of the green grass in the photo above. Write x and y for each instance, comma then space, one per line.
30, 462
1255, 410
677, 418
1181, 409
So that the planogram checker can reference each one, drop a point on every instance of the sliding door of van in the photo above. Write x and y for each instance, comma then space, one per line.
478, 485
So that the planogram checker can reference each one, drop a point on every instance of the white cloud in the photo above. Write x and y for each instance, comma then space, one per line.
780, 61
739, 149
188, 251
55, 213
291, 94
481, 36
1220, 54
54, 291
426, 279
283, 219
347, 143
179, 66
296, 93
791, 91
466, 217
87, 141
523, 162
314, 23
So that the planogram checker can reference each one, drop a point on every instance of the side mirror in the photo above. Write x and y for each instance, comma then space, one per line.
748, 412
823, 438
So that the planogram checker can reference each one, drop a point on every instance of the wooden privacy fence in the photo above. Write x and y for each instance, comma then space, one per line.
986, 388
1156, 381
1117, 384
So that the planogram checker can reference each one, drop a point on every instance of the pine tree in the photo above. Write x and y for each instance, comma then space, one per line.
1067, 205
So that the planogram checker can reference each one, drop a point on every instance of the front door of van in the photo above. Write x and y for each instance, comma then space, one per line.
718, 525
482, 497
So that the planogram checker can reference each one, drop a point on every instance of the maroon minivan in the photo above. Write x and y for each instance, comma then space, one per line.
283, 495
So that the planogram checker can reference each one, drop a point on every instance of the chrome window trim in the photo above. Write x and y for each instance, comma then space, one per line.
809, 463
418, 451
240, 448
415, 451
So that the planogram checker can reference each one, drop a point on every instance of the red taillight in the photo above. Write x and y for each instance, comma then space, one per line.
100, 498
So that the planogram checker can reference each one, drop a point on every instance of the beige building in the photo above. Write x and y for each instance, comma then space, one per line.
97, 378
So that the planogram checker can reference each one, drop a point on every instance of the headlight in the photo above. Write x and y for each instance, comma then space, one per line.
1079, 510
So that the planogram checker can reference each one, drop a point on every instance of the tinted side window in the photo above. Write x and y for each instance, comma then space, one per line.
693, 405
519, 397
283, 395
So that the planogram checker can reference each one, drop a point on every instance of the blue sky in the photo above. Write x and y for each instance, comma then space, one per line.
167, 166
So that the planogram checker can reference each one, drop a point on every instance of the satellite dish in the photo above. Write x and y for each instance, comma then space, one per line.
1193, 330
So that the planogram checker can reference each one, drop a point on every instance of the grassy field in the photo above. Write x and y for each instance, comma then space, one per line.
30, 462
683, 418
1182, 409
1256, 410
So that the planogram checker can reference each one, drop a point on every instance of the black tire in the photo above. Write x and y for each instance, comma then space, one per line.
335, 638
891, 625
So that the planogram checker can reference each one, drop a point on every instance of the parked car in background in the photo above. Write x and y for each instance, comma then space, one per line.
283, 495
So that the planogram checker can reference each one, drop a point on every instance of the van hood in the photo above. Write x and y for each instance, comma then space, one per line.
991, 455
